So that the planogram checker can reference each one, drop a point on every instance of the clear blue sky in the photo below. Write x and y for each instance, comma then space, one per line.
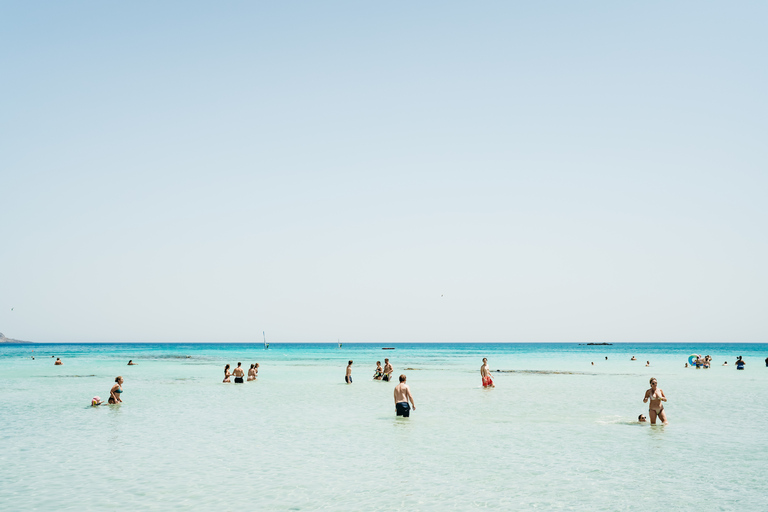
384, 171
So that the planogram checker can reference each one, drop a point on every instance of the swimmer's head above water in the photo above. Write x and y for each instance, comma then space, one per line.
641, 418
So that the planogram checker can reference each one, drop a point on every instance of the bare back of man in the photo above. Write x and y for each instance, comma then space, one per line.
239, 373
402, 397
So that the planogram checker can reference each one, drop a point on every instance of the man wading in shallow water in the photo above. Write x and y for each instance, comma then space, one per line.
485, 375
238, 373
387, 371
402, 396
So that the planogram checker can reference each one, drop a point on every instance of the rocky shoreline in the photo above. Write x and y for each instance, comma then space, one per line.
3, 339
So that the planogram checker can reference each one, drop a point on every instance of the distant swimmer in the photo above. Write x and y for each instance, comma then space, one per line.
740, 363
593, 363
239, 373
606, 358
655, 407
227, 374
725, 363
348, 376
379, 373
115, 394
402, 397
633, 358
131, 363
766, 361
252, 372
641, 419
647, 363
58, 362
485, 375
387, 371
255, 369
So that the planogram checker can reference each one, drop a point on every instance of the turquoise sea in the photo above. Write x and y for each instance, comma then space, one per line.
557, 433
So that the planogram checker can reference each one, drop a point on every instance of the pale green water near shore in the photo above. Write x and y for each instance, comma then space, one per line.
301, 439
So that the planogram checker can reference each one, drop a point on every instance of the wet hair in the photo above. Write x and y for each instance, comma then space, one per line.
640, 418
118, 378
402, 378
350, 361
239, 363
226, 367
653, 379
251, 367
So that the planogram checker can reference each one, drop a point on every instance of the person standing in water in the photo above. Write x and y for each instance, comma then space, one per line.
485, 374
227, 374
379, 372
239, 373
402, 397
58, 362
116, 392
655, 395
252, 373
387, 370
348, 376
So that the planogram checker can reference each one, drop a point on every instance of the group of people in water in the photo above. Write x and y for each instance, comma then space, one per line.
697, 361
238, 373
403, 397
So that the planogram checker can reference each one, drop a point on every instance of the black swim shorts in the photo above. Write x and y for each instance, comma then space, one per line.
403, 409
348, 379
238, 380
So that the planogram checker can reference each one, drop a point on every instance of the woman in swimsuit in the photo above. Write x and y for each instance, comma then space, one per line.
255, 370
116, 391
655, 408
227, 374
252, 373
378, 374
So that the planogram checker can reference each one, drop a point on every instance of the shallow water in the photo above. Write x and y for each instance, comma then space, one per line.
556, 433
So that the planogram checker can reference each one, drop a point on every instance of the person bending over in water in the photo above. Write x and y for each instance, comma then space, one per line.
387, 370
402, 396
58, 362
116, 392
227, 374
633, 358
252, 372
131, 363
655, 408
348, 376
379, 373
485, 375
239, 373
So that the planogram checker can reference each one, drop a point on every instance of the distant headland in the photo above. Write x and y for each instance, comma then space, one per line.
3, 339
